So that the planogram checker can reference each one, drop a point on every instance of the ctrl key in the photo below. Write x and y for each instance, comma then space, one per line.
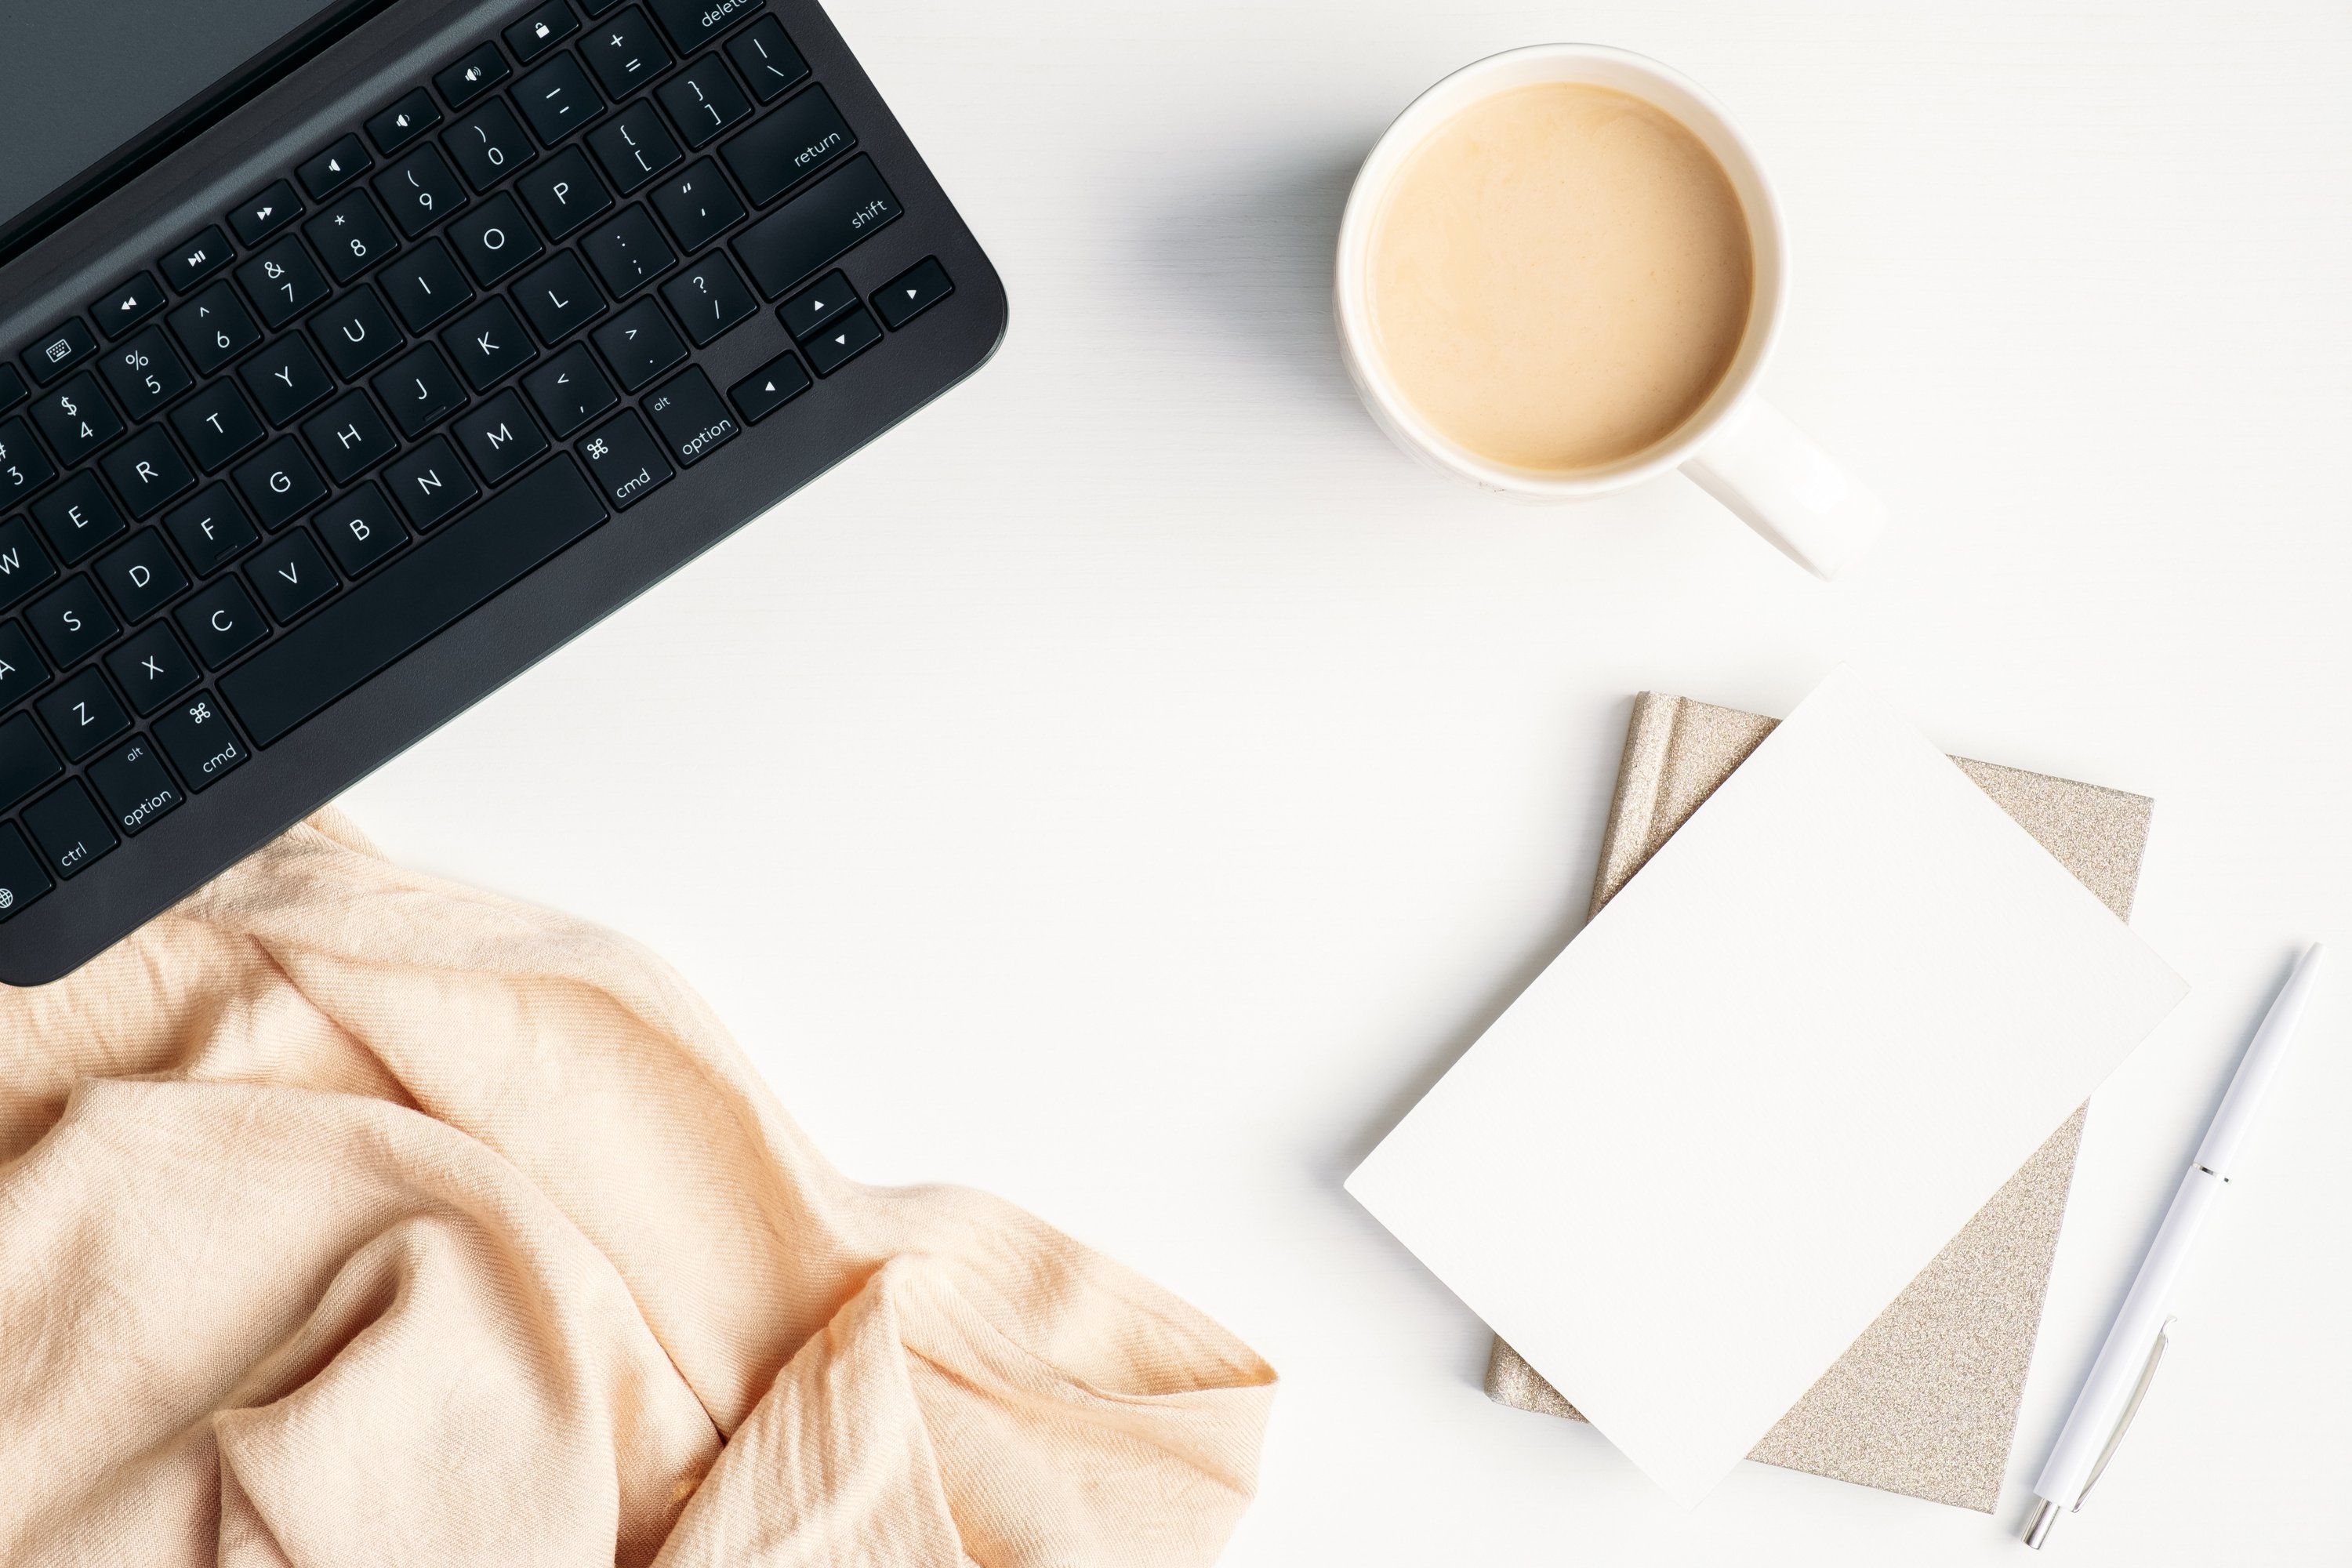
197, 738
21, 878
71, 830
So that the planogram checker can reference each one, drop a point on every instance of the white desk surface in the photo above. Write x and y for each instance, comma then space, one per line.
1129, 784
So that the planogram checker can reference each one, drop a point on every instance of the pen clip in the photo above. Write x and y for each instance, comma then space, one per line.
2131, 1408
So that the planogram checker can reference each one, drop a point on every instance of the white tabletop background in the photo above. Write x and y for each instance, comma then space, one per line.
1127, 785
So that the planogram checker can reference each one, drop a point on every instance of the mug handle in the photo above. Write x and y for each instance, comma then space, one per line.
1775, 480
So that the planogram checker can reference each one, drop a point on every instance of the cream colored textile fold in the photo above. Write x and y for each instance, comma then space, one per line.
349, 1217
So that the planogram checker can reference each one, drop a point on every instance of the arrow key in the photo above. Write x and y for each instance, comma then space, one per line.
769, 388
838, 345
912, 292
333, 169
810, 309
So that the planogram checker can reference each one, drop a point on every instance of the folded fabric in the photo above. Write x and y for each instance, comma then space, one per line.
349, 1217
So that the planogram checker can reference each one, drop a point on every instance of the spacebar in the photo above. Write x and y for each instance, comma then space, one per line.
416, 595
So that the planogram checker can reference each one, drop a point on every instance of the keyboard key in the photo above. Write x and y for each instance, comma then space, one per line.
21, 669
403, 122
703, 101
542, 30
211, 529
27, 761
222, 621
24, 467
285, 379
564, 192
77, 419
489, 145
697, 206
627, 251
767, 59
217, 426
693, 422
430, 483
361, 530
560, 299
350, 437
495, 239
133, 782
61, 349
12, 387
633, 146
427, 589
689, 23
78, 517
500, 437
152, 669
624, 461
83, 714
71, 623
816, 226
639, 344
22, 879
473, 76
266, 213
420, 389
147, 471
69, 830
557, 99
489, 345
844, 340
283, 282
623, 53
199, 259
290, 575
569, 390
279, 482
213, 328
356, 332
787, 146
420, 191
709, 299
200, 742
351, 237
24, 564
425, 286
814, 306
770, 387
333, 169
144, 373
126, 305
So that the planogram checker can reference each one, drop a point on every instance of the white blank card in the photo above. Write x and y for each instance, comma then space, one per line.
1765, 1086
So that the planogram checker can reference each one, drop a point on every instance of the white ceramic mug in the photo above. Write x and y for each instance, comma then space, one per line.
1737, 447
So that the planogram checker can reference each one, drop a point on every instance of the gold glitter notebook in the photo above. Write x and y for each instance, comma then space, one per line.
1924, 1403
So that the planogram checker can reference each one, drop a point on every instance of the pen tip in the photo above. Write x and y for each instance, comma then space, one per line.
2037, 1529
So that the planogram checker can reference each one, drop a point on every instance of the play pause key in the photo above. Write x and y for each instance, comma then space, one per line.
769, 388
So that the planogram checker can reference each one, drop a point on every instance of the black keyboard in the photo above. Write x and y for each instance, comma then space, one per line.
447, 343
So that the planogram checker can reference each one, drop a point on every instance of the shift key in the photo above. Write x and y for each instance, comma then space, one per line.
816, 226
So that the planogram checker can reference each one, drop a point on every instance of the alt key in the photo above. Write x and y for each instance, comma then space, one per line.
133, 782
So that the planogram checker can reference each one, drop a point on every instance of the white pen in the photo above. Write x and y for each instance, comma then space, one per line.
2127, 1361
